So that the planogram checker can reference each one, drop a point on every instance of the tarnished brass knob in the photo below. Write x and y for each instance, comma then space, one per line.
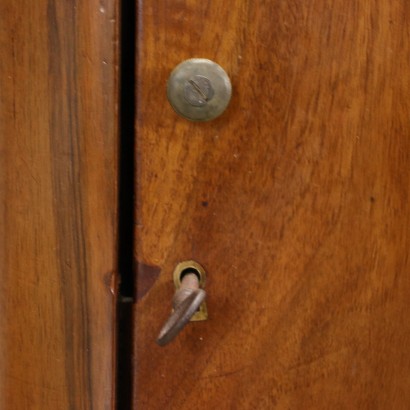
199, 89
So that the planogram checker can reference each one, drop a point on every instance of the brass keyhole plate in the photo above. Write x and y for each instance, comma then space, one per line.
192, 267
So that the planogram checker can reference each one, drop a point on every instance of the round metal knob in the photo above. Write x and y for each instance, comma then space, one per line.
199, 89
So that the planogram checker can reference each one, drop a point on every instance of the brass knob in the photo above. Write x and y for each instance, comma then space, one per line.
187, 300
199, 89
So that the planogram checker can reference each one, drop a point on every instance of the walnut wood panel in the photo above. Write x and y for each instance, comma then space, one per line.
296, 201
58, 152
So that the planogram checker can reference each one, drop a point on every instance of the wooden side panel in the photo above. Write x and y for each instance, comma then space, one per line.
58, 198
296, 201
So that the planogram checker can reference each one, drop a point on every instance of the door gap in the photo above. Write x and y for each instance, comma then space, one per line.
126, 199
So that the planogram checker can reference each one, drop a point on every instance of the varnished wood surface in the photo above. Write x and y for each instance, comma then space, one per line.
58, 133
296, 201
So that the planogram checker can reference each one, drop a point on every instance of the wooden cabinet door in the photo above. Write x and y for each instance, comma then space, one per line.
58, 203
296, 201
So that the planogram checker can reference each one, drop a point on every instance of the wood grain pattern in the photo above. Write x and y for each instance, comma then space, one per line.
296, 201
58, 196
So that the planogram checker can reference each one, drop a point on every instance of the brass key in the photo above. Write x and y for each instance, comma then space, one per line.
187, 300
